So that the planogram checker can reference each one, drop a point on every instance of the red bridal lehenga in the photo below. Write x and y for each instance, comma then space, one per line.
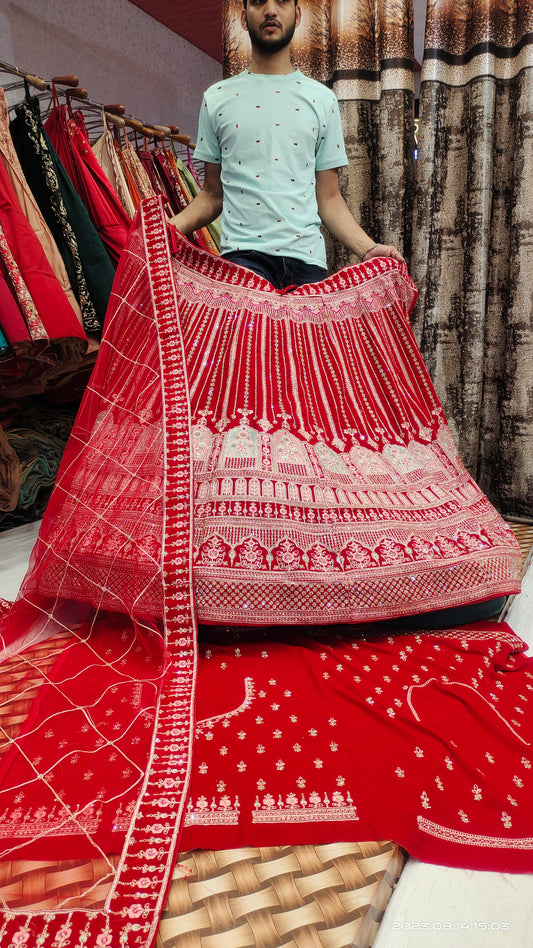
277, 467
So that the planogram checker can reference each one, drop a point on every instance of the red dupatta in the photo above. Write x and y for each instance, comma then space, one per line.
106, 749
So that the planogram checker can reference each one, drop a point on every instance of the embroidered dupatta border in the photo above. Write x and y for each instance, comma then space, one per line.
138, 893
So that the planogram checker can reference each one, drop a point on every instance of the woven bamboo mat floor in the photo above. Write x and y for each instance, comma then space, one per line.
330, 896
524, 534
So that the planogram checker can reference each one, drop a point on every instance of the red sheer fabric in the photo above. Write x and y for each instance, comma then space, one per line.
102, 759
326, 485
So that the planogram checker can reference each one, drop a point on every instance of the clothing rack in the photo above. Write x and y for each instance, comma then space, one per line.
113, 114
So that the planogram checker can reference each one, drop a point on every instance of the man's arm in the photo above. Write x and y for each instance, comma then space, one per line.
339, 220
205, 207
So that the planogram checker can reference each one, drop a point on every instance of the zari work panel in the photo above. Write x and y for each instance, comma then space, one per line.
327, 486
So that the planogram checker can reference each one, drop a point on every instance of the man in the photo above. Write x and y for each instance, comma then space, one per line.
272, 143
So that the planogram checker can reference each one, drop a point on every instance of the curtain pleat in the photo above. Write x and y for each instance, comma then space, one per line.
473, 251
373, 78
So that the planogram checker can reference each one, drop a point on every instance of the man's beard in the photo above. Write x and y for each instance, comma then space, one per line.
263, 45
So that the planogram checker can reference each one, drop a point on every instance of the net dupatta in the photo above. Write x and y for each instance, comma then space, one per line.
103, 760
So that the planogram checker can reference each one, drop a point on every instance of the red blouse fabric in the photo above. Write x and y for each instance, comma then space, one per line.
425, 739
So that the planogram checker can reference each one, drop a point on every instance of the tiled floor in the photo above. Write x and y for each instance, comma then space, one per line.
433, 906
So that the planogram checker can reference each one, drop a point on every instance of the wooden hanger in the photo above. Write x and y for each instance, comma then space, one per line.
66, 81
77, 93
35, 81
113, 113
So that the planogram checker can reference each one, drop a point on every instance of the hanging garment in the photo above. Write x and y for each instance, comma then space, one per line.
103, 762
88, 266
136, 168
147, 161
68, 339
192, 181
32, 319
22, 363
202, 237
101, 201
9, 158
35, 357
131, 194
105, 152
14, 328
178, 194
166, 179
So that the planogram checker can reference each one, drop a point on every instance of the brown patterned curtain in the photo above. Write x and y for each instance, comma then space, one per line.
363, 49
473, 238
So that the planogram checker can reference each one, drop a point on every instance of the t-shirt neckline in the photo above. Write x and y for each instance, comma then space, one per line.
277, 76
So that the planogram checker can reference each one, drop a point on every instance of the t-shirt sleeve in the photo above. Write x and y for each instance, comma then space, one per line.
330, 151
207, 144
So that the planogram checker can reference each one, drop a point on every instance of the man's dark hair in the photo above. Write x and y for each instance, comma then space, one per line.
245, 1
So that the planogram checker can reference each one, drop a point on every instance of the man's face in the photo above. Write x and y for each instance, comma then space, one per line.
270, 23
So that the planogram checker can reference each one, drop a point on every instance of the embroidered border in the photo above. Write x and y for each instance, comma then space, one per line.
470, 839
249, 694
320, 814
311, 809
131, 915
213, 814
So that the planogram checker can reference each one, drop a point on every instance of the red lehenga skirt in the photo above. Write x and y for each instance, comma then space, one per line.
257, 461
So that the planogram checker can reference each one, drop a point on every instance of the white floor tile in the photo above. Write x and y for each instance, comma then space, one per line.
437, 907
15, 549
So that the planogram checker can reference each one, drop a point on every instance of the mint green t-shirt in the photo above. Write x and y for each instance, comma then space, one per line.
270, 134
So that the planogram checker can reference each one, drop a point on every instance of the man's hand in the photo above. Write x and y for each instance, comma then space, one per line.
205, 207
383, 250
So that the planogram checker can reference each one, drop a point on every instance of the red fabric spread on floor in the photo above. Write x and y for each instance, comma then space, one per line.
426, 739
77, 810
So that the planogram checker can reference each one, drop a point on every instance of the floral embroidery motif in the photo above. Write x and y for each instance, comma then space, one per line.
302, 809
225, 812
471, 839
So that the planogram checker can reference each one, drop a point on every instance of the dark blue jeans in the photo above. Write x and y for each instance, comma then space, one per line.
281, 272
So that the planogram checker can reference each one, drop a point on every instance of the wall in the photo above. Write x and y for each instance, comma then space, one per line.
119, 53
